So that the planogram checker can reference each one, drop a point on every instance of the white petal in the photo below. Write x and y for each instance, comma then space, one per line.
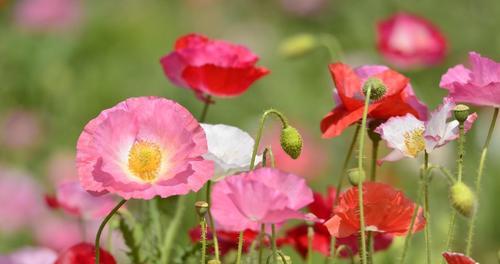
393, 131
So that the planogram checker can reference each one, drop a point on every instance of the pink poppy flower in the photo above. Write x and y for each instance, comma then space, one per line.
61, 167
42, 15
409, 136
20, 129
407, 40
211, 67
56, 232
141, 148
30, 255
387, 210
21, 198
478, 85
74, 200
261, 196
458, 258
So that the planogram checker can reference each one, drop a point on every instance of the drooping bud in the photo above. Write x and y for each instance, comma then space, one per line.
462, 199
298, 45
461, 112
201, 208
378, 88
355, 176
291, 141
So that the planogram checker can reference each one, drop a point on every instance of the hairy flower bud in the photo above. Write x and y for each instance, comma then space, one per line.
291, 141
213, 261
378, 88
461, 112
355, 176
298, 45
201, 208
462, 199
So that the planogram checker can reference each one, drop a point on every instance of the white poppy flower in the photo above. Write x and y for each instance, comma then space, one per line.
230, 148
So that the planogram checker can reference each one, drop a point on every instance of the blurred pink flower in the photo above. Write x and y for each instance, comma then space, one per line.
20, 129
30, 255
74, 200
42, 15
478, 85
262, 196
407, 41
21, 198
56, 232
304, 7
61, 167
141, 148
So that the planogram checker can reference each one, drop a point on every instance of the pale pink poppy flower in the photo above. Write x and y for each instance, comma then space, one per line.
74, 200
56, 232
20, 129
409, 136
141, 148
21, 200
409, 41
478, 85
61, 167
30, 255
262, 196
48, 15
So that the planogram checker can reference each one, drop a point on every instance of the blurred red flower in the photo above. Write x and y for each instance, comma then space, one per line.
322, 208
457, 258
83, 253
387, 210
407, 41
211, 67
398, 100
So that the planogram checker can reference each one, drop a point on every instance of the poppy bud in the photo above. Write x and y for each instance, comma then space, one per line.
462, 199
461, 112
291, 141
378, 88
355, 176
298, 45
213, 261
201, 208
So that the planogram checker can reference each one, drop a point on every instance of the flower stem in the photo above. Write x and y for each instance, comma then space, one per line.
427, 213
375, 147
478, 180
369, 242
332, 44
412, 224
204, 112
261, 242
101, 228
333, 239
273, 243
173, 228
211, 222
310, 236
240, 248
360, 184
203, 225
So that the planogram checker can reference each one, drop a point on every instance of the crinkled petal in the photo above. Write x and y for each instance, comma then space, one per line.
393, 131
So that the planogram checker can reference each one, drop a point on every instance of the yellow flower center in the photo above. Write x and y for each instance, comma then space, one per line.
414, 141
144, 160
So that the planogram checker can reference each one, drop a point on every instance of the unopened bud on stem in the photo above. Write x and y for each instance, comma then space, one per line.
291, 141
378, 88
355, 176
462, 199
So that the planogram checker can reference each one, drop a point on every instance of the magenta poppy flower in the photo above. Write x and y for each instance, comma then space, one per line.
262, 196
478, 85
407, 41
42, 15
143, 147
211, 67
458, 258
30, 255
74, 200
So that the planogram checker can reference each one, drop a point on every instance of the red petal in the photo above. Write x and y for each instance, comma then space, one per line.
457, 258
189, 40
340, 118
394, 81
84, 253
347, 83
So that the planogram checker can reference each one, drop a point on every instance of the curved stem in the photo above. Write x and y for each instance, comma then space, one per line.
478, 180
240, 248
258, 137
173, 229
203, 225
427, 213
332, 44
101, 228
344, 247
268, 152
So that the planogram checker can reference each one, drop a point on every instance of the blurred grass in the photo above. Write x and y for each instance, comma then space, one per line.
69, 78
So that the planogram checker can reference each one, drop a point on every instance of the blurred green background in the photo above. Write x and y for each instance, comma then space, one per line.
68, 77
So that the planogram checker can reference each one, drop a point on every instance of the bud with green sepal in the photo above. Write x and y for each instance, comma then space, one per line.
298, 45
291, 141
355, 176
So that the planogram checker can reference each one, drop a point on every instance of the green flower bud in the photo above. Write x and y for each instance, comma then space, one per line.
462, 199
461, 112
291, 141
355, 176
201, 208
378, 88
298, 45
288, 260
213, 261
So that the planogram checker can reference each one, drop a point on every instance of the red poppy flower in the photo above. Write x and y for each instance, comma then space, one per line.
84, 253
457, 258
322, 208
407, 40
386, 211
211, 67
398, 100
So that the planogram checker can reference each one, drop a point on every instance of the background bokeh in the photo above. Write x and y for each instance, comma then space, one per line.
55, 79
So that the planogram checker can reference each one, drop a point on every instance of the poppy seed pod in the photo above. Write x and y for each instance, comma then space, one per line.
298, 45
201, 208
462, 199
378, 88
461, 112
355, 176
291, 141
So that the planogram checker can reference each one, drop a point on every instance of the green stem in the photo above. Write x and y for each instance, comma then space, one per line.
204, 112
203, 225
284, 122
261, 242
427, 213
451, 229
347, 158
412, 224
273, 243
333, 46
173, 229
211, 222
310, 236
101, 228
478, 180
360, 184
349, 250
240, 248
369, 246
375, 147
